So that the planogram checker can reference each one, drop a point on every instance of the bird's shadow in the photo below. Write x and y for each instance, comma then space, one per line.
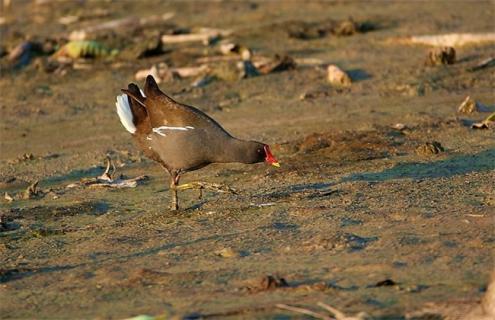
358, 75
457, 165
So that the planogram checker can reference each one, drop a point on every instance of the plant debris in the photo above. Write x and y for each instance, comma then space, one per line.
485, 63
440, 56
128, 24
311, 95
450, 40
107, 180
315, 30
430, 148
469, 106
488, 123
84, 49
385, 283
278, 64
227, 253
161, 72
32, 191
8, 197
335, 314
204, 35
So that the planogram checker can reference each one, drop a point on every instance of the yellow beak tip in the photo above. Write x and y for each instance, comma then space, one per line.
276, 164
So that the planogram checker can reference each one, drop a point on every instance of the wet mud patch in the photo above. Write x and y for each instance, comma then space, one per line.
340, 241
445, 168
351, 146
270, 283
303, 30
298, 191
92, 208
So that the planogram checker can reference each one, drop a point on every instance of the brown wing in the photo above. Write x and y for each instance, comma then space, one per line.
164, 111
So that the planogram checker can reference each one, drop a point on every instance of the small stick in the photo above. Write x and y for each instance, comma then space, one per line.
450, 40
128, 22
304, 311
190, 71
107, 176
338, 314
204, 35
192, 37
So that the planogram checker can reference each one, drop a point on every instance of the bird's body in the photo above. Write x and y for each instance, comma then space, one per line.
179, 137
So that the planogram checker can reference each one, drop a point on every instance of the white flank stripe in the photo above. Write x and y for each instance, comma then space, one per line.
162, 128
125, 113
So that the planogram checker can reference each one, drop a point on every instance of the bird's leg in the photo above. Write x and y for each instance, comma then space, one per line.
174, 181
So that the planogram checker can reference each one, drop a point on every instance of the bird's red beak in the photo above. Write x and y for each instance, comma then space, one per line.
270, 159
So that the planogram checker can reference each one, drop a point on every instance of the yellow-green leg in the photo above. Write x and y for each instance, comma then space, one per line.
174, 181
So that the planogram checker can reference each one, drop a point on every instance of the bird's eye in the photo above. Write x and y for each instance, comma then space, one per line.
259, 150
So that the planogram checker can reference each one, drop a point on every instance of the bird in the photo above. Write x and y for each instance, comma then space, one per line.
181, 138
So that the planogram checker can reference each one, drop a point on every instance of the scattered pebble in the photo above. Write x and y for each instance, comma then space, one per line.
337, 77
278, 64
203, 81
227, 253
270, 282
310, 95
315, 30
247, 69
399, 126
266, 283
22, 158
8, 197
346, 27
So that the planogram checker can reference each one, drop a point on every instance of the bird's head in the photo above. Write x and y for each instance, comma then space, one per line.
262, 153
269, 158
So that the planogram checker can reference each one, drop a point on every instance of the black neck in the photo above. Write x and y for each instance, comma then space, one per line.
237, 150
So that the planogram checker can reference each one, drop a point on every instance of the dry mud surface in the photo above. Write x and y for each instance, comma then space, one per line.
357, 216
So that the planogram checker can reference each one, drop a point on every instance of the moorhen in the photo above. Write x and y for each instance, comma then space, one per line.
179, 137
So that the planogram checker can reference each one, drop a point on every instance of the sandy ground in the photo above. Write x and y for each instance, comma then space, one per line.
353, 204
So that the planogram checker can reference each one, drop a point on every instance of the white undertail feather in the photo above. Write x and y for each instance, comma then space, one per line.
125, 113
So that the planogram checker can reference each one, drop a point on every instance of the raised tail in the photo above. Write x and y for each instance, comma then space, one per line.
131, 108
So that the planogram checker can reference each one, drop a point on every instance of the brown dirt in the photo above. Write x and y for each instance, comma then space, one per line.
353, 204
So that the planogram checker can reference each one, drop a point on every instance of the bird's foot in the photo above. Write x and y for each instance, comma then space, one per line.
207, 185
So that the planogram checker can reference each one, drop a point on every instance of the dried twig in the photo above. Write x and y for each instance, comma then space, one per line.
304, 311
128, 22
488, 62
204, 35
489, 122
450, 40
107, 180
31, 191
339, 315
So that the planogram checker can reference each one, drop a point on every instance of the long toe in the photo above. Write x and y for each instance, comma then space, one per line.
207, 185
